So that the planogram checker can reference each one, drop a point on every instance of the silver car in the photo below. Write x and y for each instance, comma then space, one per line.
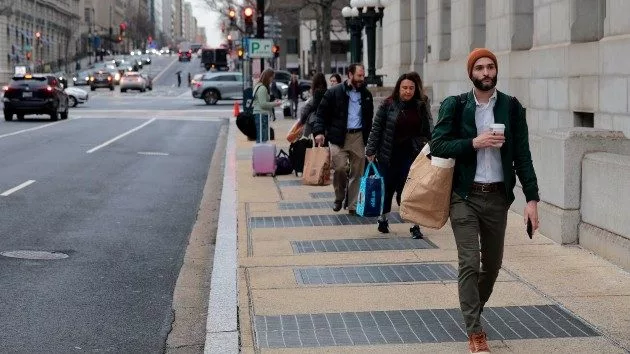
215, 86
132, 80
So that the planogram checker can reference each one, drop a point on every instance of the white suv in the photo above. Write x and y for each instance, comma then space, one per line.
215, 86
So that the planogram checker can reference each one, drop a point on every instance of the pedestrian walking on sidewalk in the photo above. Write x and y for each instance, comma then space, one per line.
309, 110
179, 78
485, 131
335, 79
294, 94
189, 79
399, 132
345, 116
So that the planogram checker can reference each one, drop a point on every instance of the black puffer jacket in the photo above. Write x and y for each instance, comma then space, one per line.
307, 114
381, 140
332, 114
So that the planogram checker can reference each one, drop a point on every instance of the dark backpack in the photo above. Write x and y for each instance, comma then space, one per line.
245, 120
297, 151
283, 164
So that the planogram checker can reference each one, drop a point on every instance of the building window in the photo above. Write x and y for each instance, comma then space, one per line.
445, 30
292, 46
479, 24
583, 119
588, 20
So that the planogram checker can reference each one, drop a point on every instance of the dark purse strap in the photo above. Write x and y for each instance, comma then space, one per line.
251, 104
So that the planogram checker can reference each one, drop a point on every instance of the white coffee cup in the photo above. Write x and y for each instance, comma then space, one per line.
497, 128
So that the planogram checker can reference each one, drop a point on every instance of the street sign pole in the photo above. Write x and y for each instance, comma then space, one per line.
260, 26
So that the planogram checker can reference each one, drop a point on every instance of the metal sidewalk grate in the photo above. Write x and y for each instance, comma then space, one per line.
396, 273
316, 220
361, 244
322, 195
414, 326
290, 183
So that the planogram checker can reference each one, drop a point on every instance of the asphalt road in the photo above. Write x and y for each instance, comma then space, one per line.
116, 187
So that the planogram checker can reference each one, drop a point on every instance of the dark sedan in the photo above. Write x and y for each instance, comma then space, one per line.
35, 94
101, 79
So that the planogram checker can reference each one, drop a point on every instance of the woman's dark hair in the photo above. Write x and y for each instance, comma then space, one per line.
337, 77
410, 77
319, 82
418, 80
266, 77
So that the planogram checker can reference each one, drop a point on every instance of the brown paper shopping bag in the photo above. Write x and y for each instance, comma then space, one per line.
316, 167
426, 196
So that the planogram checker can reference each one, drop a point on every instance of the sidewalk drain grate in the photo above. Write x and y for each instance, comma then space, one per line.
316, 220
38, 255
361, 244
290, 183
322, 195
305, 205
414, 326
397, 273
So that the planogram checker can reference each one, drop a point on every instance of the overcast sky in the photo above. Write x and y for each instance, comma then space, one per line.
208, 19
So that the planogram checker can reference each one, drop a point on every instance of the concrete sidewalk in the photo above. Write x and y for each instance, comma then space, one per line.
312, 280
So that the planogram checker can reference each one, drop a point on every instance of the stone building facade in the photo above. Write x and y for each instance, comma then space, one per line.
57, 22
566, 61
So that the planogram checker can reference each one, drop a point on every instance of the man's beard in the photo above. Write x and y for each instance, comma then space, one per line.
485, 87
356, 84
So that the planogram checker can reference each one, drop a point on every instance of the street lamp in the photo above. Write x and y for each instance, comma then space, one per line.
371, 12
354, 26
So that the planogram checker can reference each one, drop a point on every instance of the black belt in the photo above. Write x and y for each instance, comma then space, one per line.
352, 131
487, 187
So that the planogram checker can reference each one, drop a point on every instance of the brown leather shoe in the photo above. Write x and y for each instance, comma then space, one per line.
352, 212
478, 343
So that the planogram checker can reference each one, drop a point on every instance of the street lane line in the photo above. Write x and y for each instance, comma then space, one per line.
163, 71
29, 129
121, 136
17, 188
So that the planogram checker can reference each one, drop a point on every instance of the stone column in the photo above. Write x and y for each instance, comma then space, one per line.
396, 51
468, 26
418, 35
509, 25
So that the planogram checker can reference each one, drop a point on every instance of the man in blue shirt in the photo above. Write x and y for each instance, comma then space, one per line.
344, 118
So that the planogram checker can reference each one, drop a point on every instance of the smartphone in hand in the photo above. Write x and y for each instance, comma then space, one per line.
530, 228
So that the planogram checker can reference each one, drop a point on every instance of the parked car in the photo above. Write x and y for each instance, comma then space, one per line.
100, 79
132, 80
35, 94
285, 77
215, 86
76, 96
82, 78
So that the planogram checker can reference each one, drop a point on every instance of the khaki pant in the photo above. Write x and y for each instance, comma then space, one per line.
479, 226
353, 152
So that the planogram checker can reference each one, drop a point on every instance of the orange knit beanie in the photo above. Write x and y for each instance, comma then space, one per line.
477, 54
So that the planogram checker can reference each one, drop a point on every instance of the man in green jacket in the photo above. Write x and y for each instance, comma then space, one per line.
487, 161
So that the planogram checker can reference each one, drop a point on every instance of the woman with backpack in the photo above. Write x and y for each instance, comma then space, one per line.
400, 130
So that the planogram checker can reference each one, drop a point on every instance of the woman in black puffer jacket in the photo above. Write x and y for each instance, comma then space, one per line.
307, 116
400, 129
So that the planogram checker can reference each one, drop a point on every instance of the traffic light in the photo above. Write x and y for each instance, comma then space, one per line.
229, 41
38, 36
275, 50
240, 52
248, 15
232, 16
122, 27
28, 56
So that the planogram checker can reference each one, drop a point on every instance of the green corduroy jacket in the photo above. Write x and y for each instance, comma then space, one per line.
453, 136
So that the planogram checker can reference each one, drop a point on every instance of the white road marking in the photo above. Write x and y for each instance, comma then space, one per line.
29, 129
121, 136
152, 153
164, 70
17, 188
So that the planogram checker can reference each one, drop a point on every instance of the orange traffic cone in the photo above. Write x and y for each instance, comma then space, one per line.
237, 109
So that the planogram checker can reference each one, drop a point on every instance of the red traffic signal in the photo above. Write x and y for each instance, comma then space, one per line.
38, 34
275, 50
248, 12
232, 14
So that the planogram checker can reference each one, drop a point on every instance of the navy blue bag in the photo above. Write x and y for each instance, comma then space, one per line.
371, 193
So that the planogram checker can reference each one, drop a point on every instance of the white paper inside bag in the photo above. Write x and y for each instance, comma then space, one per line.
443, 163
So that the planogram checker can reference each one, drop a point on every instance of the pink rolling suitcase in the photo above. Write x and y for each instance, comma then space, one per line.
264, 159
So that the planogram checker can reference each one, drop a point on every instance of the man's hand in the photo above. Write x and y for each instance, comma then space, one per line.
370, 158
487, 139
319, 140
531, 213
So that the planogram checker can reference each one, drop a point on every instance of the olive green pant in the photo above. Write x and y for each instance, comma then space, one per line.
478, 223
